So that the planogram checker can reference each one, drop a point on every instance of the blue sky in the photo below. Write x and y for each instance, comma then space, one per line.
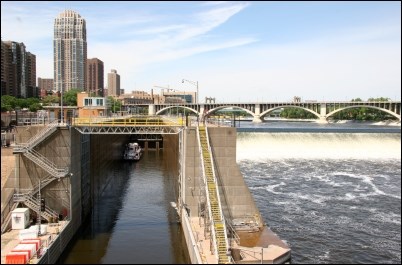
237, 51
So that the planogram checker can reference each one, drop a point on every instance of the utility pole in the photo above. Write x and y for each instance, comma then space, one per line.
38, 220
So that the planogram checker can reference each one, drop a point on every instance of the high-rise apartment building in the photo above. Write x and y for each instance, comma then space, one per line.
113, 83
18, 70
95, 84
70, 51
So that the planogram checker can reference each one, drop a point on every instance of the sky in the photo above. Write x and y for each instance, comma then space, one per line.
235, 51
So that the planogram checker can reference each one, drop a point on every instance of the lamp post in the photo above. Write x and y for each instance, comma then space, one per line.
61, 102
193, 83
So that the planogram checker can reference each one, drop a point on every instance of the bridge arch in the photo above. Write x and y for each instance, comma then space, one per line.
211, 111
364, 106
289, 106
178, 107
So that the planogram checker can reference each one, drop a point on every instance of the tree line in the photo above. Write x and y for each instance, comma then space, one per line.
10, 103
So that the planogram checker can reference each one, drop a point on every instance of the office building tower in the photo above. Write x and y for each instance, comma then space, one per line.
70, 51
113, 83
95, 84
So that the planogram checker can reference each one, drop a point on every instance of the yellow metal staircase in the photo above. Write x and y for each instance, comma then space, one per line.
218, 228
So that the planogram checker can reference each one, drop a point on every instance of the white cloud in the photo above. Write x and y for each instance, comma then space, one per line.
210, 19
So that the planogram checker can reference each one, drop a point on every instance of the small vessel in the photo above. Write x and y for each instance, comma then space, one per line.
132, 151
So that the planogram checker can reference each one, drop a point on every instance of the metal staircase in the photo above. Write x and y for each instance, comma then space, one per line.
39, 137
43, 183
27, 149
30, 201
218, 226
46, 164
33, 204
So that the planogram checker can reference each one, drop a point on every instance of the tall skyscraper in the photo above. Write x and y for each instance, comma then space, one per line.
95, 84
113, 83
70, 51
18, 70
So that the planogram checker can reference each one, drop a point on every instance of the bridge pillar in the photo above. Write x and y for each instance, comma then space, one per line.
323, 113
322, 119
151, 109
257, 119
201, 113
257, 110
257, 116
323, 109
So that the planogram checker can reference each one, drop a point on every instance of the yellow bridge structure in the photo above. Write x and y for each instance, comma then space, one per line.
130, 124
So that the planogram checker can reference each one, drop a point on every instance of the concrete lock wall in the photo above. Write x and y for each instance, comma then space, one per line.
79, 149
56, 149
237, 201
192, 171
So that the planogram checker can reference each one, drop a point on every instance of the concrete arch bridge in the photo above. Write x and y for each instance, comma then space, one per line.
322, 110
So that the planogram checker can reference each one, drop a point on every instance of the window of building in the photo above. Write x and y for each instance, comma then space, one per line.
88, 102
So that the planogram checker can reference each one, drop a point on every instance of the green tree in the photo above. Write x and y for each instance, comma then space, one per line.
113, 104
32, 101
22, 103
8, 103
70, 97
50, 99
296, 113
379, 99
35, 107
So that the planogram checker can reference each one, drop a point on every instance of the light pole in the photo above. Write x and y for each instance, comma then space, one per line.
193, 83
61, 95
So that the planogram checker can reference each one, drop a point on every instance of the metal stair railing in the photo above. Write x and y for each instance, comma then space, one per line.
234, 234
222, 223
211, 223
43, 183
43, 134
32, 203
45, 163
6, 222
20, 197
40, 136
218, 226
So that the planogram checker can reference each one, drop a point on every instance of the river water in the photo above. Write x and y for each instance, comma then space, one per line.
332, 192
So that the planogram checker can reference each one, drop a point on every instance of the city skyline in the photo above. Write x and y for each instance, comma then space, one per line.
237, 51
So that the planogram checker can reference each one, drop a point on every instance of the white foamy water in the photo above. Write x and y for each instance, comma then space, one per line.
260, 146
334, 197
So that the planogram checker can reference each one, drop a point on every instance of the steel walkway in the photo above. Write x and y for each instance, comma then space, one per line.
218, 227
129, 125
